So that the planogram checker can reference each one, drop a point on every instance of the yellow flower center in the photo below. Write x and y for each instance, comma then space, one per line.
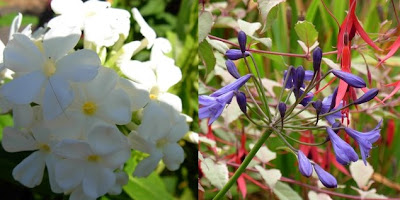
161, 143
154, 93
89, 108
39, 45
44, 147
93, 158
49, 67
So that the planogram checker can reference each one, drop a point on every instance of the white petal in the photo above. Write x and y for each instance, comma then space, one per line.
15, 140
155, 122
59, 41
63, 6
145, 29
116, 108
24, 89
139, 143
172, 100
42, 134
78, 194
161, 46
148, 165
97, 181
127, 51
117, 159
73, 149
106, 78
173, 156
178, 130
167, 76
16, 23
138, 95
139, 72
81, 66
58, 96
51, 161
69, 173
21, 55
106, 139
30, 171
22, 115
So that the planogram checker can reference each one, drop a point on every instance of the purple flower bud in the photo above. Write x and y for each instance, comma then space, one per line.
235, 54
350, 79
305, 167
333, 100
365, 140
298, 77
343, 151
232, 86
282, 109
326, 178
367, 96
232, 68
289, 83
241, 100
242, 41
317, 105
336, 125
317, 57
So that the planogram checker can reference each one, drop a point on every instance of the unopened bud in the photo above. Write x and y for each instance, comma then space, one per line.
232, 68
241, 100
317, 105
235, 54
326, 178
350, 78
367, 96
317, 57
305, 166
242, 41
282, 109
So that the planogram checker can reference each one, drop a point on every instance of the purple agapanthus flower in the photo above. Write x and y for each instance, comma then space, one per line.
307, 98
365, 140
232, 86
305, 167
326, 178
326, 105
235, 54
343, 151
212, 107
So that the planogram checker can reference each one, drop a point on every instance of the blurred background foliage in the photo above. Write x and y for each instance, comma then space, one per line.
377, 17
175, 20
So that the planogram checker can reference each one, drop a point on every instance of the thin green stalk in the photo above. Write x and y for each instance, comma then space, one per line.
301, 110
255, 102
283, 89
244, 164
305, 143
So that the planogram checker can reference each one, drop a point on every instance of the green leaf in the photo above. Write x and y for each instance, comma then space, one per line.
306, 32
268, 11
205, 24
285, 192
206, 55
151, 187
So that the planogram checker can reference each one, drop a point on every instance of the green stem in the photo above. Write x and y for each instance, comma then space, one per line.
243, 166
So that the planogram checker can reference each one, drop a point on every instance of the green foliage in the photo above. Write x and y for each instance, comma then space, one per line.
306, 32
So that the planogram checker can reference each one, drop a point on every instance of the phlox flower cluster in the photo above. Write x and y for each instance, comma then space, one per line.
66, 103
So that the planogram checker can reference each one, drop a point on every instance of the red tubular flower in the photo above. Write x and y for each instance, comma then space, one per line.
393, 48
351, 25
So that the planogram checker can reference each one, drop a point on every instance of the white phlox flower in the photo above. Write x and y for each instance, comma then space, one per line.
162, 126
156, 77
91, 163
30, 171
101, 24
46, 66
148, 33
99, 99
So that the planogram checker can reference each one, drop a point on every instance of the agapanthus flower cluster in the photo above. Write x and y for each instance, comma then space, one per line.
298, 82
67, 102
